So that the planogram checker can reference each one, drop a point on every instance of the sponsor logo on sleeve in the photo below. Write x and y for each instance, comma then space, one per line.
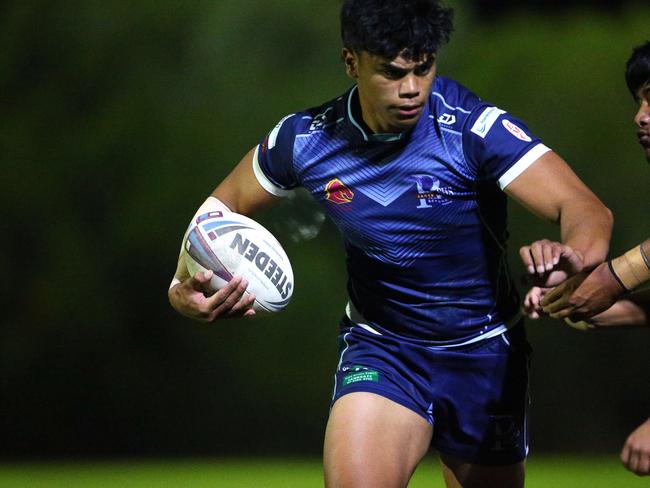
516, 131
486, 120
265, 145
336, 191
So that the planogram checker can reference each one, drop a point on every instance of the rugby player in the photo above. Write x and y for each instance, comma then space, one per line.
607, 288
414, 170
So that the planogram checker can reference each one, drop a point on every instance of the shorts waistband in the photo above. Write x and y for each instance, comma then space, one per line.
355, 317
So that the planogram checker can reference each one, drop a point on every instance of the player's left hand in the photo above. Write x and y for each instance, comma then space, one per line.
549, 263
635, 455
584, 295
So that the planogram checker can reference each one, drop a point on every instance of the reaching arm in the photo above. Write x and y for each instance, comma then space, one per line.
239, 192
631, 311
552, 191
584, 296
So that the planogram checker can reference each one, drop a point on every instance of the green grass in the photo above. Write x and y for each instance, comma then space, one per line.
543, 472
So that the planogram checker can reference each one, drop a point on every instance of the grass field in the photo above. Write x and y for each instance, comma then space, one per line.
543, 472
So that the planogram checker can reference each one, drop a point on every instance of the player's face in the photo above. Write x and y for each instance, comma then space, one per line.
642, 119
392, 92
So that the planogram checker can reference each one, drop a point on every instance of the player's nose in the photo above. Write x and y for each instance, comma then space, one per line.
642, 117
410, 87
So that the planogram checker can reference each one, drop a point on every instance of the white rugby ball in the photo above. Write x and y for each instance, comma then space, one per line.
232, 244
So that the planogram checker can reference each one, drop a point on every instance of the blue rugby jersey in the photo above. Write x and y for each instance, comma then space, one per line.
422, 214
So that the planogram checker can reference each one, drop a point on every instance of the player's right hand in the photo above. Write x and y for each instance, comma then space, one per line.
191, 298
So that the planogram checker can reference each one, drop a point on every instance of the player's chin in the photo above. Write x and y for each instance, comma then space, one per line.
402, 124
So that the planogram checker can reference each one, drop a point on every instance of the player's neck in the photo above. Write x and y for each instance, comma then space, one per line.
366, 121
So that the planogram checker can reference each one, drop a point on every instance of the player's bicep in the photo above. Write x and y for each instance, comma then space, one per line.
547, 185
241, 190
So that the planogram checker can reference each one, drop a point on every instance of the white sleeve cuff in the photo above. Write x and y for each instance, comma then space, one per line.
522, 165
267, 184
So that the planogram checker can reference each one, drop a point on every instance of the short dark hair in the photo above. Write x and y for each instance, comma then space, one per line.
637, 69
387, 28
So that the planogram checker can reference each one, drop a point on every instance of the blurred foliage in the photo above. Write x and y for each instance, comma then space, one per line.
119, 118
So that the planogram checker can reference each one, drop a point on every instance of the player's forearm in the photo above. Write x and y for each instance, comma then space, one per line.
587, 228
633, 310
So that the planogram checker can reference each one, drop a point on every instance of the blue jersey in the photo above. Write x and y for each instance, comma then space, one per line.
422, 214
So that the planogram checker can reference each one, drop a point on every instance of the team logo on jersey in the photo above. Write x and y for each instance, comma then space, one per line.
428, 191
337, 192
447, 119
516, 131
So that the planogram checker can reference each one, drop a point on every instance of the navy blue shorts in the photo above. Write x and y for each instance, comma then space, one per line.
475, 396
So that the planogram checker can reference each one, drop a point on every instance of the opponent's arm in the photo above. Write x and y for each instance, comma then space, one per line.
585, 295
631, 311
551, 190
239, 192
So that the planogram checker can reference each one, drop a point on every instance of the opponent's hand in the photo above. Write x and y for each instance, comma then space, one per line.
635, 455
549, 263
584, 295
532, 307
191, 298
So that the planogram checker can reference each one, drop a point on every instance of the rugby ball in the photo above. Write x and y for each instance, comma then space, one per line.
231, 244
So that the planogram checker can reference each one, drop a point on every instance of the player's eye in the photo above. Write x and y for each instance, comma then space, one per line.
424, 68
393, 74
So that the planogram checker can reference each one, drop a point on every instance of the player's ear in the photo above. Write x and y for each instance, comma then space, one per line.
350, 59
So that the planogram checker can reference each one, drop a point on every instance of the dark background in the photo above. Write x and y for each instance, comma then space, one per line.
118, 119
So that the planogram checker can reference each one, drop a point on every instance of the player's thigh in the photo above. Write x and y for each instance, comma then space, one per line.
458, 473
372, 441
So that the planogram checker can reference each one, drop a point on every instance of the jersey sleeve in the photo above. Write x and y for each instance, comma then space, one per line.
498, 147
273, 158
